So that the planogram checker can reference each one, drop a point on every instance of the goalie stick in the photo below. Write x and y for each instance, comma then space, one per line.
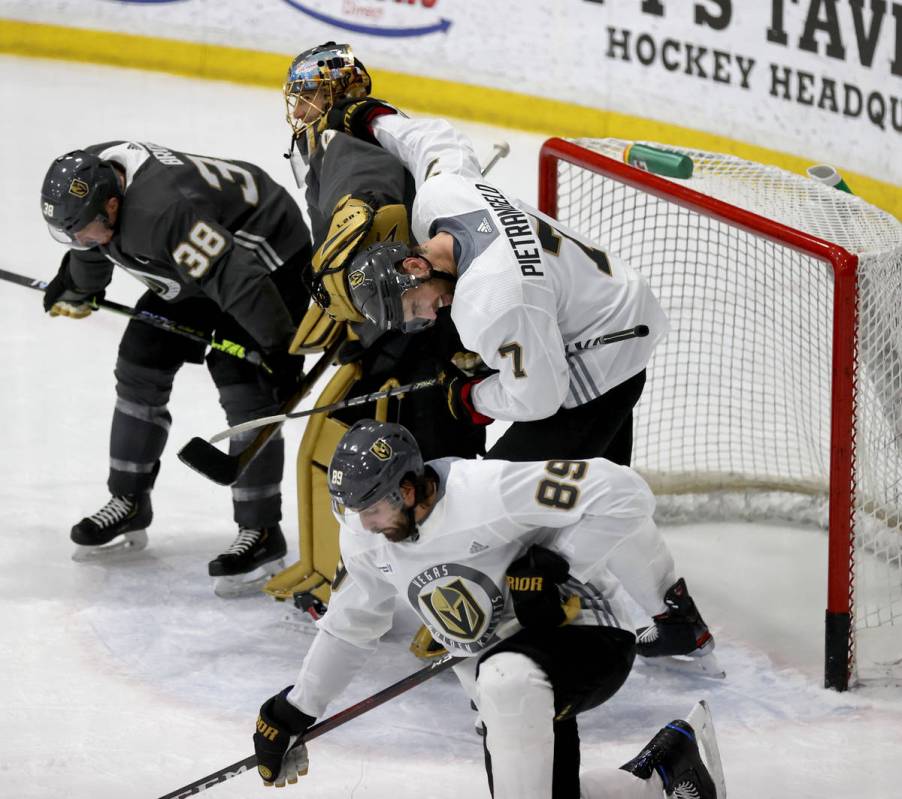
640, 331
225, 469
342, 717
154, 320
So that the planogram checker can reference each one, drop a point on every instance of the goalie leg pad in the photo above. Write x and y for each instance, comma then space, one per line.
516, 701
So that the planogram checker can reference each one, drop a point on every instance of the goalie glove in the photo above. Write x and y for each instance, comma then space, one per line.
279, 726
351, 221
458, 387
356, 116
533, 581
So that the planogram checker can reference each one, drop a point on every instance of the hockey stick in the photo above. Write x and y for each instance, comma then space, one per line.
502, 150
342, 717
161, 322
225, 469
640, 331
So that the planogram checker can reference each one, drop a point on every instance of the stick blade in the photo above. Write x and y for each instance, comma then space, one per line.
212, 463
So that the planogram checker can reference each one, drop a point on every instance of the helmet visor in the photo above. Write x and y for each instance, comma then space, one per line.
86, 236
383, 515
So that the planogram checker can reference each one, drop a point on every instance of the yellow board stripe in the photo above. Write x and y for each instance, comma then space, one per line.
426, 95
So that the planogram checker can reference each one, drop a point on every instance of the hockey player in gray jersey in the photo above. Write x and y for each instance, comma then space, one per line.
221, 247
470, 545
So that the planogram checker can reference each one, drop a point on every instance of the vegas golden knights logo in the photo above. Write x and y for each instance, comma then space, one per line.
78, 188
454, 608
356, 278
381, 449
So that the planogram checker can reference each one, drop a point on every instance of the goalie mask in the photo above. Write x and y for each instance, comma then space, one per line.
366, 471
316, 80
74, 194
376, 284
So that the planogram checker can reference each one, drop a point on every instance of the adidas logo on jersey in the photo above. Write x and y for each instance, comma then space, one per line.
477, 547
484, 226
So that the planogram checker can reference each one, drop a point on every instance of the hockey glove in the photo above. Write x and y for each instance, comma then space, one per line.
282, 374
61, 300
279, 726
458, 388
533, 581
355, 117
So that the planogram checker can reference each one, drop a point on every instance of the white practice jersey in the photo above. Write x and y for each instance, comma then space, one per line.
595, 513
532, 298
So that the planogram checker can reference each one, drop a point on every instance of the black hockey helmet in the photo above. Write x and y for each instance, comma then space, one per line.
376, 284
75, 192
370, 462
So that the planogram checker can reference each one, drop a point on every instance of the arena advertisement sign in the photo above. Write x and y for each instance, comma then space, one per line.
375, 17
819, 79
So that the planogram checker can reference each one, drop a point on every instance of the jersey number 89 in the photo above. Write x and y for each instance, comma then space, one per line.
556, 493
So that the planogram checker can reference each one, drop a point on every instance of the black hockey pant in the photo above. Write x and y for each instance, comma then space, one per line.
586, 666
148, 361
602, 428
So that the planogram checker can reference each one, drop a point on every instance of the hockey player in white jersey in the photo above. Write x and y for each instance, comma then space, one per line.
470, 545
533, 300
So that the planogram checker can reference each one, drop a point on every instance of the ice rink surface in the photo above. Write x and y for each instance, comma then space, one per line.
132, 679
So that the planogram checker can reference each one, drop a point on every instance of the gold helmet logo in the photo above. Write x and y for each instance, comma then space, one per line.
78, 188
381, 449
356, 278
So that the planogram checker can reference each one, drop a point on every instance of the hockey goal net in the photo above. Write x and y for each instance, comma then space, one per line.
778, 393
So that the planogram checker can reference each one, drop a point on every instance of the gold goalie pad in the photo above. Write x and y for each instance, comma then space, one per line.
425, 647
317, 527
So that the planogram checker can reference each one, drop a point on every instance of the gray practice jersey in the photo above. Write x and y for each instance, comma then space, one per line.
532, 298
594, 513
191, 225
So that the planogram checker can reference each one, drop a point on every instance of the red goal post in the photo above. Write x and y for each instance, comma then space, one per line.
777, 259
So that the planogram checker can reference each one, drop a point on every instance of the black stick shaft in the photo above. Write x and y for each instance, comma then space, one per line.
228, 347
342, 717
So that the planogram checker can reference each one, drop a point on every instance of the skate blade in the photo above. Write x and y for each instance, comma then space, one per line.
703, 724
249, 583
119, 548
703, 664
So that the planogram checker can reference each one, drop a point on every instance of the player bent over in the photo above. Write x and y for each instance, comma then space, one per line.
532, 299
221, 247
470, 545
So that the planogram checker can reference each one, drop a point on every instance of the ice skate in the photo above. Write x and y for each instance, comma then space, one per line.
685, 756
117, 529
253, 557
679, 638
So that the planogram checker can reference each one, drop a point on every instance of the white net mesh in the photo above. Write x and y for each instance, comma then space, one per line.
735, 420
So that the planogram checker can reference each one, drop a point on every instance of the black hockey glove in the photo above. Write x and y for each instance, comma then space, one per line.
533, 581
282, 374
279, 725
355, 117
458, 387
61, 298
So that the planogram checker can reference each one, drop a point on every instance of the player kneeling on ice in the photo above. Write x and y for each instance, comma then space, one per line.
221, 248
471, 545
